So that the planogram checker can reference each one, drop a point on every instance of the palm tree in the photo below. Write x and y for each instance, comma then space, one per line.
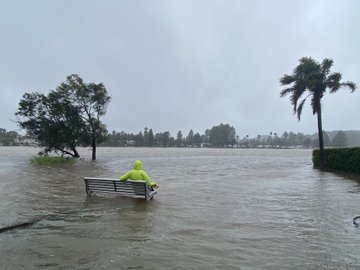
311, 79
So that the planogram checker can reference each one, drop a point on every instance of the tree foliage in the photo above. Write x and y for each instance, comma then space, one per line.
179, 139
91, 101
67, 116
222, 135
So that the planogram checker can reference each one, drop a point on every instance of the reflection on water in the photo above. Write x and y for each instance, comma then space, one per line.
215, 209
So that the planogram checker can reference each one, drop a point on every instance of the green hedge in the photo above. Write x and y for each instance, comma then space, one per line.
340, 159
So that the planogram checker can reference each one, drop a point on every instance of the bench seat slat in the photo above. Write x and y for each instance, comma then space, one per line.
109, 188
117, 186
120, 192
112, 188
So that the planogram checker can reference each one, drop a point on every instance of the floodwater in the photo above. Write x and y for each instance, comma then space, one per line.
215, 209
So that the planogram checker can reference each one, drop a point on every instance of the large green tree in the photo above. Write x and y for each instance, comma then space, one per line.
91, 101
311, 79
67, 116
56, 124
222, 135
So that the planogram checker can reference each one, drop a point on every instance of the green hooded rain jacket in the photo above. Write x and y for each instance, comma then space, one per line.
137, 173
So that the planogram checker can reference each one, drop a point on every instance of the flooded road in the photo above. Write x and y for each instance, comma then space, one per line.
215, 209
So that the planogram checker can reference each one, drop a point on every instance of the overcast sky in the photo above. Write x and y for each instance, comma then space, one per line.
186, 64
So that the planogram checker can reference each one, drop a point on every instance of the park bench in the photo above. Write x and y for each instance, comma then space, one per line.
132, 188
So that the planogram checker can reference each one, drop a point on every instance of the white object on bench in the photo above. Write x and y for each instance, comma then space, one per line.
132, 188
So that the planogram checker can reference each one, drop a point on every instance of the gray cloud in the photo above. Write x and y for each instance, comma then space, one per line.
181, 65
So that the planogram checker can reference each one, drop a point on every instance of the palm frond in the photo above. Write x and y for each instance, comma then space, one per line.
299, 90
316, 102
351, 85
300, 108
313, 78
286, 91
333, 82
306, 67
326, 66
287, 79
305, 61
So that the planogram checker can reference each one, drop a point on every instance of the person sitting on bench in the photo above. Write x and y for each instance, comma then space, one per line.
137, 173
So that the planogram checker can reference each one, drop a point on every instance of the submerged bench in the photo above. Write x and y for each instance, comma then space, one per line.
137, 189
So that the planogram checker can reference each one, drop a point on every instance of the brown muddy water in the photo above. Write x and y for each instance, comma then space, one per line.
215, 209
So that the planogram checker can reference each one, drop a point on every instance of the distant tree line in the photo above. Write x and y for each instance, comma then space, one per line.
291, 139
222, 135
8, 138
218, 136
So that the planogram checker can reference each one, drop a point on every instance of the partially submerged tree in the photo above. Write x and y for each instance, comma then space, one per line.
55, 124
91, 101
66, 117
311, 79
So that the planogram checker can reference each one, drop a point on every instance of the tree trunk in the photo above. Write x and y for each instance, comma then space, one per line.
321, 139
93, 149
76, 154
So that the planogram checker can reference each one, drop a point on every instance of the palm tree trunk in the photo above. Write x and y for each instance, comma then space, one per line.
321, 139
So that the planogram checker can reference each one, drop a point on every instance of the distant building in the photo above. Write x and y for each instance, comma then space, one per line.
26, 141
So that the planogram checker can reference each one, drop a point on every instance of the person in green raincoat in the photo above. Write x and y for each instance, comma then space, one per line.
137, 173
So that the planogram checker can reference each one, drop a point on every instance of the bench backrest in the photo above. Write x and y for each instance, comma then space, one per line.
126, 188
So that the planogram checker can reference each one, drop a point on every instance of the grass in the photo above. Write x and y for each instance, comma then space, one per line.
46, 160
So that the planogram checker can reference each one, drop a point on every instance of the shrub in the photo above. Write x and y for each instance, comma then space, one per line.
340, 159
47, 160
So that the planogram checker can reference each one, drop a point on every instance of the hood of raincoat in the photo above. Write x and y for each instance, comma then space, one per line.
137, 165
